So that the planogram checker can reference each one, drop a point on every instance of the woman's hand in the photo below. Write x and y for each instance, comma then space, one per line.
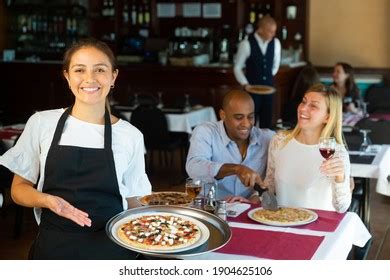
64, 209
230, 199
334, 167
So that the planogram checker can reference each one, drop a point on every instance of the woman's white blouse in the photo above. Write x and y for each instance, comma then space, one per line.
28, 157
293, 173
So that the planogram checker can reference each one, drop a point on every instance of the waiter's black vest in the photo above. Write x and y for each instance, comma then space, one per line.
259, 66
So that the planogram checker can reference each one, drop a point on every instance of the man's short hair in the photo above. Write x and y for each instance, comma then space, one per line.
267, 19
233, 94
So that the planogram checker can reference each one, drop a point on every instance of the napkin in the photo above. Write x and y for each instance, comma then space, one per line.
237, 207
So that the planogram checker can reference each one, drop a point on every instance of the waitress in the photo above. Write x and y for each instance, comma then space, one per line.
87, 164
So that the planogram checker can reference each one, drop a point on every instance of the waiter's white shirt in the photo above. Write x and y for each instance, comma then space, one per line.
28, 157
244, 51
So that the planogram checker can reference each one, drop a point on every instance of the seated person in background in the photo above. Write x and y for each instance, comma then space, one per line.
296, 171
232, 150
344, 83
306, 78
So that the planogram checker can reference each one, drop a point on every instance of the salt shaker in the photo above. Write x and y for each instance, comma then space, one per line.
221, 209
198, 203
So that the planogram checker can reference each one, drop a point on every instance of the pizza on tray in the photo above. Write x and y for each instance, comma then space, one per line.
284, 216
159, 232
166, 198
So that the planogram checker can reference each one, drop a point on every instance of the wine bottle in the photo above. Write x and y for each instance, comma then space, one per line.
146, 13
133, 14
260, 12
140, 15
125, 14
105, 8
252, 14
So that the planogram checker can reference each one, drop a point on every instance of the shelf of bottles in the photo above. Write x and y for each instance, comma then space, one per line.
44, 31
135, 26
136, 16
255, 11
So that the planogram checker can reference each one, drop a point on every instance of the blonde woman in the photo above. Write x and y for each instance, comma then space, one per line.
296, 171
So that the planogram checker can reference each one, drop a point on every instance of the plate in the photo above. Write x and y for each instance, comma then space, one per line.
218, 228
260, 89
205, 233
144, 199
313, 217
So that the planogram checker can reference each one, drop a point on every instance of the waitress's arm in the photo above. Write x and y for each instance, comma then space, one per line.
24, 193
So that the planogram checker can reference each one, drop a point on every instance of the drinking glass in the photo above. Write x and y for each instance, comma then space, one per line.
193, 187
136, 101
327, 147
366, 140
160, 103
187, 104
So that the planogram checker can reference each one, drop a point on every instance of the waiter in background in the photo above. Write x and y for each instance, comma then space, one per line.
259, 54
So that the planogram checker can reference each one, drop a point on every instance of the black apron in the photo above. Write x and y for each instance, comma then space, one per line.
86, 178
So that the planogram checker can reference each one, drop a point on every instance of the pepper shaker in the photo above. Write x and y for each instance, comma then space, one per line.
221, 209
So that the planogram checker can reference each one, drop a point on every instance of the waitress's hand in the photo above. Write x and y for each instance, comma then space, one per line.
334, 167
64, 209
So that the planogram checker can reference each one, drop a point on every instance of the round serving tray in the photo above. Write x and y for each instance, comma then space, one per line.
220, 232
260, 89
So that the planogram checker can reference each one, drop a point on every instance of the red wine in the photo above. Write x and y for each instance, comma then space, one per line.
327, 153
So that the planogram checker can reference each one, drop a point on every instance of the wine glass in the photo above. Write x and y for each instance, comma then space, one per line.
366, 140
327, 147
187, 105
160, 103
135, 101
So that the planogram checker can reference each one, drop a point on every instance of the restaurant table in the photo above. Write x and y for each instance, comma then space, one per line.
178, 120
9, 133
318, 242
374, 168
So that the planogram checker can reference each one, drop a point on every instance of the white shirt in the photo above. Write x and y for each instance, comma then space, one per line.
244, 51
293, 173
28, 157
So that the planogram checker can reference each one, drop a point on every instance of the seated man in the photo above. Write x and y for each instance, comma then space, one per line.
232, 150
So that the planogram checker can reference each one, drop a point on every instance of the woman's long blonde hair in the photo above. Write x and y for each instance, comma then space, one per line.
334, 104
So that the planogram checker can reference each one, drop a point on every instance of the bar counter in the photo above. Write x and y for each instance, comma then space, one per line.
30, 86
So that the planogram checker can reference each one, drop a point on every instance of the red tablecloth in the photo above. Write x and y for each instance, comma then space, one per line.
327, 220
10, 133
271, 244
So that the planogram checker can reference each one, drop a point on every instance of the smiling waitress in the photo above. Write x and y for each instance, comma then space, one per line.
90, 165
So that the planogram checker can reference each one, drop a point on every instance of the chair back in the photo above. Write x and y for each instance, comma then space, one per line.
152, 122
378, 99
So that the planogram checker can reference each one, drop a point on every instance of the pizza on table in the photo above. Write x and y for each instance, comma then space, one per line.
166, 198
283, 215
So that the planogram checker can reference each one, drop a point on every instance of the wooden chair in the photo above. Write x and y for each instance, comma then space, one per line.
152, 122
6, 177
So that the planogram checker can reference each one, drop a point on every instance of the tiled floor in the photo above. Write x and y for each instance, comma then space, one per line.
11, 248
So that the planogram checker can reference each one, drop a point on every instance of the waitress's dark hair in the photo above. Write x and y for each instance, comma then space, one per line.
84, 43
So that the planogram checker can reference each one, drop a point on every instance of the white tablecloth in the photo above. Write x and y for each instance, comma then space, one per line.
184, 122
378, 170
335, 246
